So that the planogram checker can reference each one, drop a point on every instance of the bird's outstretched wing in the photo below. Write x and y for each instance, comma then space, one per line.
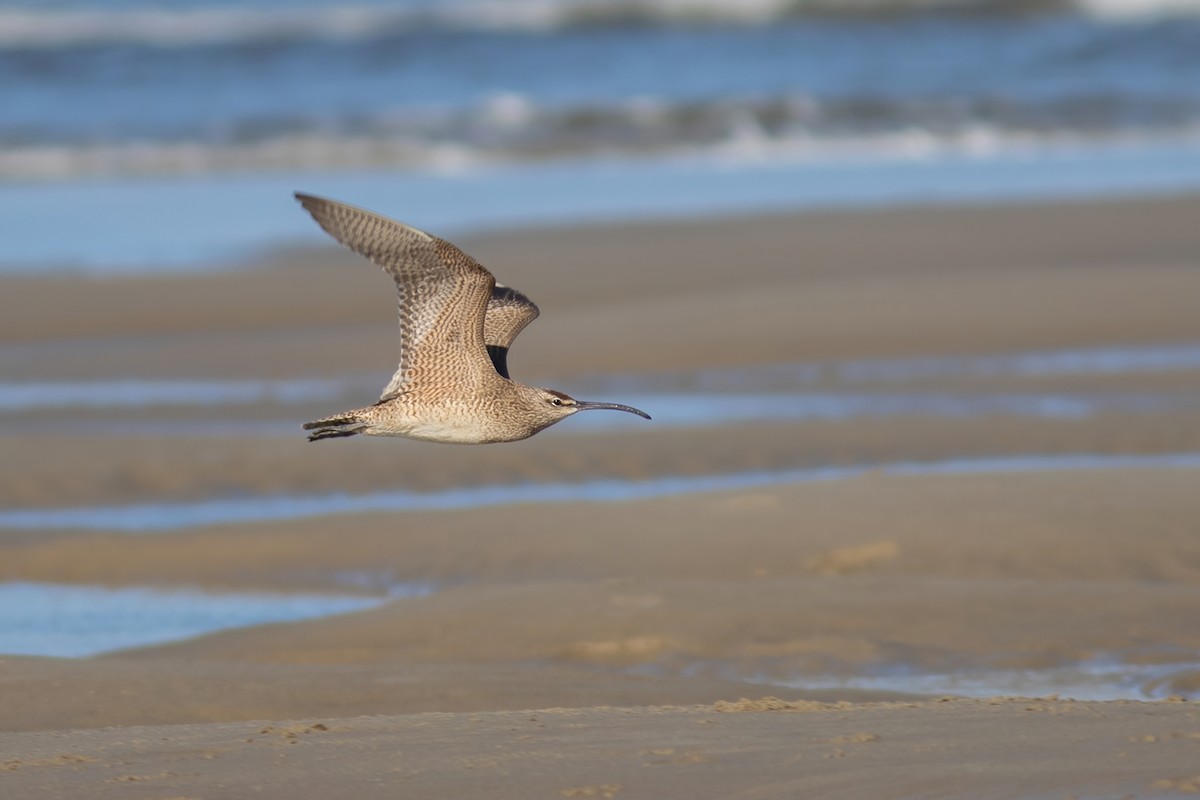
444, 294
508, 312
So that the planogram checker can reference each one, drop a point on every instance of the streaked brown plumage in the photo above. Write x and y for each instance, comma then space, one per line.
456, 325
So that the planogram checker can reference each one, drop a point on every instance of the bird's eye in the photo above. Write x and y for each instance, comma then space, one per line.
556, 401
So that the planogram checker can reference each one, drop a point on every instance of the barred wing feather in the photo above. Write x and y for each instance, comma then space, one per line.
443, 294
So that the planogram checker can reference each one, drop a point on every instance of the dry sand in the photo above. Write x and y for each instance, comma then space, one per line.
638, 624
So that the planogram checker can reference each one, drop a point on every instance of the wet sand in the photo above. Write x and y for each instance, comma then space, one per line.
637, 623
948, 749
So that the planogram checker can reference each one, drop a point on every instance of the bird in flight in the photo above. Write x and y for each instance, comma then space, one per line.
456, 325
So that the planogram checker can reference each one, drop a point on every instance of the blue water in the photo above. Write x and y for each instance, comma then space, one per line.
1115, 675
1149, 359
191, 222
42, 619
707, 410
793, 392
143, 135
166, 517
15, 397
120, 87
1103, 678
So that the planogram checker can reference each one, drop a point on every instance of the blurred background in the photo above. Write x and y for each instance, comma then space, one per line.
164, 134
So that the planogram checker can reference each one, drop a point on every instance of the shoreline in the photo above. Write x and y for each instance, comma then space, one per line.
619, 191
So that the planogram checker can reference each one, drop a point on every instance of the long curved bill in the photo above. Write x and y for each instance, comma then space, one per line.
584, 405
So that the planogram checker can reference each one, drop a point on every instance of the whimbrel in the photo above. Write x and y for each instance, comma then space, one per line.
456, 325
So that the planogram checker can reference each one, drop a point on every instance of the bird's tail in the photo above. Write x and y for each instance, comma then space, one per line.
333, 427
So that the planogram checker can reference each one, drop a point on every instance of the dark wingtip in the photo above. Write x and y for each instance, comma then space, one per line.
306, 200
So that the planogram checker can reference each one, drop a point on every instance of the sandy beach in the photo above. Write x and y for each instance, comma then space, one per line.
827, 634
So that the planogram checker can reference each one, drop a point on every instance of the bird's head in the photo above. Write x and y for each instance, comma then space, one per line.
553, 406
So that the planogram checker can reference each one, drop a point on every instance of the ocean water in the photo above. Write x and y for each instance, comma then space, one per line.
171, 133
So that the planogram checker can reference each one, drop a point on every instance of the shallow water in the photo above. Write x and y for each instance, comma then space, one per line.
697, 397
1148, 359
1108, 676
708, 410
66, 621
1101, 678
705, 410
138, 393
43, 619
166, 517
205, 222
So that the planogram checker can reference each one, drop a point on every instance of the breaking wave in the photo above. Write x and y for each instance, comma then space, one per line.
509, 128
31, 27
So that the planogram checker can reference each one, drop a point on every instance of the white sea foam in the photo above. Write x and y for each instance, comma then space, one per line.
163, 26
510, 130
1120, 10
51, 162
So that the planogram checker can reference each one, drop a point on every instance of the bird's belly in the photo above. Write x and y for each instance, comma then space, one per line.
446, 431
450, 434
